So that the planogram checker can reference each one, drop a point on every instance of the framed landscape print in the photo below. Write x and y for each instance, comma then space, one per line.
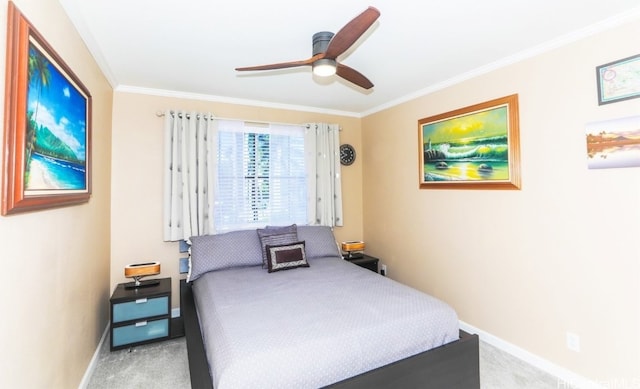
613, 143
475, 147
47, 127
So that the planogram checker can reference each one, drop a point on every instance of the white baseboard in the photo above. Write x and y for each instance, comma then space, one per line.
94, 360
566, 378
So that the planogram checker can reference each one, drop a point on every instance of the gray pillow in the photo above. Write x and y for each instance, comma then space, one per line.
276, 236
220, 251
319, 241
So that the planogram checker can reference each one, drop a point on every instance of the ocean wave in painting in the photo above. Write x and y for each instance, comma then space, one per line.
488, 149
481, 159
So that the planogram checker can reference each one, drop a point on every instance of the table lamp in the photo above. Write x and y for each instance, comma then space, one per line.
353, 249
139, 270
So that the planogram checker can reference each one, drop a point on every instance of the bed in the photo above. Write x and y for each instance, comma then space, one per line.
279, 307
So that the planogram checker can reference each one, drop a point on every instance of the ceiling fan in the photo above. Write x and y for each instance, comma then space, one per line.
327, 47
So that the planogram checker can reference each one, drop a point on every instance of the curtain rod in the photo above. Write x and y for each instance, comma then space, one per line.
161, 114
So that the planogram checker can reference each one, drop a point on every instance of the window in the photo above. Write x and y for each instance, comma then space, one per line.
261, 176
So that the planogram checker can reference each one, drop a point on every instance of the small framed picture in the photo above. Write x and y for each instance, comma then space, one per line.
618, 80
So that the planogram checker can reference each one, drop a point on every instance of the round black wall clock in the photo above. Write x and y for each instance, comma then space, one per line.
347, 154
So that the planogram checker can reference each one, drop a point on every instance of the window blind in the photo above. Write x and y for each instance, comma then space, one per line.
261, 176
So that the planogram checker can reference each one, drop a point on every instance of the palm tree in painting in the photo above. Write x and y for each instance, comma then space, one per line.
40, 77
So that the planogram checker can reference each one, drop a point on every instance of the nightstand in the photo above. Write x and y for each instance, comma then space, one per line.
364, 260
140, 315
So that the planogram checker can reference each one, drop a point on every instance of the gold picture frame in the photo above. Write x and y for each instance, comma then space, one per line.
475, 147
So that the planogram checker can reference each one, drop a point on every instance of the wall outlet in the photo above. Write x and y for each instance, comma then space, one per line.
383, 270
573, 342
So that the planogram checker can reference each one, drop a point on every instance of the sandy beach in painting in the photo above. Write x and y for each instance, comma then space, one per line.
39, 178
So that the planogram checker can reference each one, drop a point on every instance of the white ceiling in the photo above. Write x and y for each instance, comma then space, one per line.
190, 48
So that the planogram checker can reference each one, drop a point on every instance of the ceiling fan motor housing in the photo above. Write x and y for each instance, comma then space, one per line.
321, 41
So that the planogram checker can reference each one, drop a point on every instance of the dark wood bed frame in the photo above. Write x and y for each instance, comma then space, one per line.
452, 366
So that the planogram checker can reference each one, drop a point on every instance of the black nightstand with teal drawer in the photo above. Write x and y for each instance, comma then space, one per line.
140, 315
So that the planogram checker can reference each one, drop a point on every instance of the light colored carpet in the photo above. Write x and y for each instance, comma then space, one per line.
501, 370
154, 365
164, 365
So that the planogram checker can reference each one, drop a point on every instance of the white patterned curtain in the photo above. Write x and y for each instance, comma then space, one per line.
324, 206
189, 174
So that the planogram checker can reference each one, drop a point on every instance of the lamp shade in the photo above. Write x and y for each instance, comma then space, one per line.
352, 246
139, 270
142, 269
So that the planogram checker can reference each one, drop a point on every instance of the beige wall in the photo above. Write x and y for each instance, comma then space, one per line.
136, 213
55, 292
527, 266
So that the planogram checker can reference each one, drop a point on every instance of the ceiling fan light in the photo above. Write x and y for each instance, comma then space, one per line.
324, 67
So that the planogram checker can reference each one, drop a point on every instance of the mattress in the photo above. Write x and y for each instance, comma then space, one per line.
311, 327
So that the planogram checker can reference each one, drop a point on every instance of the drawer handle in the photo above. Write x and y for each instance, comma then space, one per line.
141, 323
141, 301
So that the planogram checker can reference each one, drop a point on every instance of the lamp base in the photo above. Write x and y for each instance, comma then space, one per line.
141, 284
352, 255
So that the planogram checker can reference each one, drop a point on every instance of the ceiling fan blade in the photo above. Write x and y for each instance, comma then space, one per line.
350, 33
283, 65
353, 76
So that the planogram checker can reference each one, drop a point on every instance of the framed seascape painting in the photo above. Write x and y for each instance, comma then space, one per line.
476, 147
47, 127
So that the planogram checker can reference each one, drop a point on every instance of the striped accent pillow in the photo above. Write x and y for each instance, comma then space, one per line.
276, 236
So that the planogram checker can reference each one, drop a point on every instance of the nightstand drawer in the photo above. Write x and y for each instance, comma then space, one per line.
143, 307
140, 315
140, 332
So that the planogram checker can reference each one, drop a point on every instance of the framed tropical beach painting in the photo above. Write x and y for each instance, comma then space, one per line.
476, 147
47, 127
